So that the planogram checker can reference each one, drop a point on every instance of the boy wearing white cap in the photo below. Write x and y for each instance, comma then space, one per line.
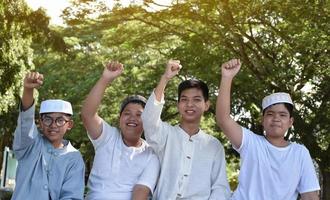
271, 167
124, 167
49, 167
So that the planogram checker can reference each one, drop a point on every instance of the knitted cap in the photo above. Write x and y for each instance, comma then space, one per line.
279, 97
55, 105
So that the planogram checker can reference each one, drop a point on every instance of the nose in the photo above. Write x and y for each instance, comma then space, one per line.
276, 117
189, 103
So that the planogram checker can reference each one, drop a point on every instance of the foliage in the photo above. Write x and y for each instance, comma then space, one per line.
280, 51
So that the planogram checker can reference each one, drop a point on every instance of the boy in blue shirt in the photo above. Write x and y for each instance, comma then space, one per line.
49, 167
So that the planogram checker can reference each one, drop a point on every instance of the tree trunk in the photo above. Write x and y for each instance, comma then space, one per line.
325, 185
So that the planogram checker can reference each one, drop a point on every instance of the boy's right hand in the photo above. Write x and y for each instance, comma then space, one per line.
112, 70
33, 80
172, 68
230, 69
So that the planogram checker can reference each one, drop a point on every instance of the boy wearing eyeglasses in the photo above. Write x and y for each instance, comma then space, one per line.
49, 167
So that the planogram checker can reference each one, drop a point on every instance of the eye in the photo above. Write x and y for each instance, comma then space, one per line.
198, 100
60, 120
183, 100
47, 120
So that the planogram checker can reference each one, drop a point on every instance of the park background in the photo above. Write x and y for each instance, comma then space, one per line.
283, 46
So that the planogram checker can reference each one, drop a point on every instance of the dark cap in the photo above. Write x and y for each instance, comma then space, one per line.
138, 99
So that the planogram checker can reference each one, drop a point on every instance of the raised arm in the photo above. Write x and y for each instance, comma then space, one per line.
172, 68
91, 120
228, 125
140, 192
310, 196
32, 80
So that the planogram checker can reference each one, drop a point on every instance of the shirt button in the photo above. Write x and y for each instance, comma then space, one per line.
179, 195
186, 175
190, 140
56, 154
188, 157
45, 187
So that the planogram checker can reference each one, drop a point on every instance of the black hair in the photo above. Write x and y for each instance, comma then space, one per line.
65, 114
193, 83
137, 99
288, 106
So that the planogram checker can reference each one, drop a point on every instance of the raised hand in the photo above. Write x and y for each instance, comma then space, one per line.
33, 80
172, 68
230, 69
112, 70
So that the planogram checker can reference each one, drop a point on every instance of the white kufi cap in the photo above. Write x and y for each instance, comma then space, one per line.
279, 97
56, 105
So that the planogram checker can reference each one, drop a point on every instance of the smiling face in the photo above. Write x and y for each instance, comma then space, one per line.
192, 105
54, 126
276, 121
130, 123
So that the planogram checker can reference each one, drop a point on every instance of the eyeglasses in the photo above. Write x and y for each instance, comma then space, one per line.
59, 121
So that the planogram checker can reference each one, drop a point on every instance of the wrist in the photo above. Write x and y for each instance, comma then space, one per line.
105, 80
164, 78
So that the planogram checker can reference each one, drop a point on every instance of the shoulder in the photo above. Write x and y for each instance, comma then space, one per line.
299, 148
210, 140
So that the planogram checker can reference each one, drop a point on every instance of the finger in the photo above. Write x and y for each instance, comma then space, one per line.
41, 77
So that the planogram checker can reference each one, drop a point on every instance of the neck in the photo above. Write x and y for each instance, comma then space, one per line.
278, 142
58, 145
132, 143
190, 128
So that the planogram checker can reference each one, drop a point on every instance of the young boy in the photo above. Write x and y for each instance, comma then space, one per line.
192, 162
49, 167
124, 167
271, 167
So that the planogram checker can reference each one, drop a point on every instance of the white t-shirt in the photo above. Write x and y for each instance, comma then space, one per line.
273, 173
117, 168
192, 168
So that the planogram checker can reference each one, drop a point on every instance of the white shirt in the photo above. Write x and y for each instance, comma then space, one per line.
117, 168
193, 167
273, 173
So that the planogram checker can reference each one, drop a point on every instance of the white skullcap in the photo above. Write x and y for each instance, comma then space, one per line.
279, 97
56, 105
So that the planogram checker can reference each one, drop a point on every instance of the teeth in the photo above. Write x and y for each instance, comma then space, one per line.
131, 124
189, 111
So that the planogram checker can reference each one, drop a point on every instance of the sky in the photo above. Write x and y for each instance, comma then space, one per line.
54, 8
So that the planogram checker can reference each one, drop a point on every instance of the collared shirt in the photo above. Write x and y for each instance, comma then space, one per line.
45, 172
193, 167
273, 173
117, 168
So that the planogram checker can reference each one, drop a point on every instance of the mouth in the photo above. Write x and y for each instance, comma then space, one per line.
131, 124
190, 111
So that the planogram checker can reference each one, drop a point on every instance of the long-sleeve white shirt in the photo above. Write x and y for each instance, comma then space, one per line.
193, 167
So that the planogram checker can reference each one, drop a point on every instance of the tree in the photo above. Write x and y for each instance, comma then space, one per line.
280, 51
21, 30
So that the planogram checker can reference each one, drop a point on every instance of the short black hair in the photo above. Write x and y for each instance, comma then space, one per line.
137, 99
193, 83
288, 106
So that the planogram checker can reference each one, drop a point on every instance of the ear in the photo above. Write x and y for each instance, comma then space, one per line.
70, 125
207, 105
291, 121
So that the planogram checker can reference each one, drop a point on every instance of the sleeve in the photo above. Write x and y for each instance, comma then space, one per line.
219, 182
74, 183
150, 174
153, 125
25, 133
308, 181
108, 133
246, 138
